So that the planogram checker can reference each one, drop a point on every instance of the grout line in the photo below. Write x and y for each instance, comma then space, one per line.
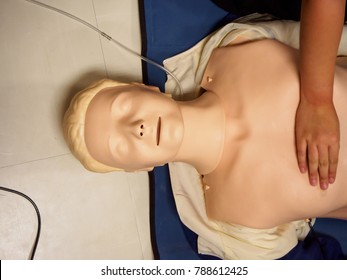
100, 40
136, 217
34, 160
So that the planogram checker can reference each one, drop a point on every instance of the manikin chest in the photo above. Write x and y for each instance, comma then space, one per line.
257, 182
259, 85
256, 79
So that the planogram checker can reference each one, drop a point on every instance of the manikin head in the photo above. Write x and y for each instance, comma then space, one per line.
116, 126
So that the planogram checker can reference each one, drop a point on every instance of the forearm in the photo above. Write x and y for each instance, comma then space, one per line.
320, 34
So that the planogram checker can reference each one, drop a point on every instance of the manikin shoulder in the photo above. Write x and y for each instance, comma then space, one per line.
257, 182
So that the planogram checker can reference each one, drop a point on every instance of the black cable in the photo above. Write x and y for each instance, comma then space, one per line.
33, 250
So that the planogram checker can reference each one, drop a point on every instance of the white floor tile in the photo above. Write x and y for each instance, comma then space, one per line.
116, 18
45, 58
140, 198
84, 215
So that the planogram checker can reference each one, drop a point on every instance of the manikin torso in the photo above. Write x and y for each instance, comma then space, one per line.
257, 182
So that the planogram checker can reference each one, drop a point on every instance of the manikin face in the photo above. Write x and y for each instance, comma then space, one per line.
133, 127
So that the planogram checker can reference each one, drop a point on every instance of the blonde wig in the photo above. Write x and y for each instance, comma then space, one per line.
73, 125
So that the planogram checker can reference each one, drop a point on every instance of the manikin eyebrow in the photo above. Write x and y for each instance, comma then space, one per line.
111, 105
113, 100
110, 146
110, 130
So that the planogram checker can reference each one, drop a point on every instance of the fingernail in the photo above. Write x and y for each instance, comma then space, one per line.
302, 169
331, 180
313, 182
324, 185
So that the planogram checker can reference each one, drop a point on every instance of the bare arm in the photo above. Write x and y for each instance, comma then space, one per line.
317, 125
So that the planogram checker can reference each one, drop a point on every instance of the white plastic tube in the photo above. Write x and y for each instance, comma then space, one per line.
109, 38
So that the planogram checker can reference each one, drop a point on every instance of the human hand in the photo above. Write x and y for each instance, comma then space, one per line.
317, 135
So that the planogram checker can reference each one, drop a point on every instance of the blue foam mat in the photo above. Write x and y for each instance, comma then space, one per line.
168, 28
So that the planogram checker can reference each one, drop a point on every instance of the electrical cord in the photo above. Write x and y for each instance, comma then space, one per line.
109, 38
33, 250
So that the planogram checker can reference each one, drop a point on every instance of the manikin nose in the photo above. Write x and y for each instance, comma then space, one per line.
141, 130
138, 129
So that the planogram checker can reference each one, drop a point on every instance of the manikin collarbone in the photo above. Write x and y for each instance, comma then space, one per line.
259, 87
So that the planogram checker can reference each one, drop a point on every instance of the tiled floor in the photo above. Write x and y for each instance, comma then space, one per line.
45, 58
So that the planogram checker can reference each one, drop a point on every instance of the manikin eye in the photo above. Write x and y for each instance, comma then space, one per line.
123, 106
122, 147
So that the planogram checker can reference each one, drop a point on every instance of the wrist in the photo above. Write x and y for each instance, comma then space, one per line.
317, 97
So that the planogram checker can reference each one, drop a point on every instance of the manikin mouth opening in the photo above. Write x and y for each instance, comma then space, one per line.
158, 130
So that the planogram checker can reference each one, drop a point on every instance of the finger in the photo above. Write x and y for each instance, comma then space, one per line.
333, 161
301, 149
313, 164
323, 166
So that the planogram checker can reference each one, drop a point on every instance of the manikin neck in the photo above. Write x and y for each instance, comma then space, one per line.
204, 131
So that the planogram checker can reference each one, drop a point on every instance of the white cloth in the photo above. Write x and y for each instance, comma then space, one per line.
189, 66
222, 240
